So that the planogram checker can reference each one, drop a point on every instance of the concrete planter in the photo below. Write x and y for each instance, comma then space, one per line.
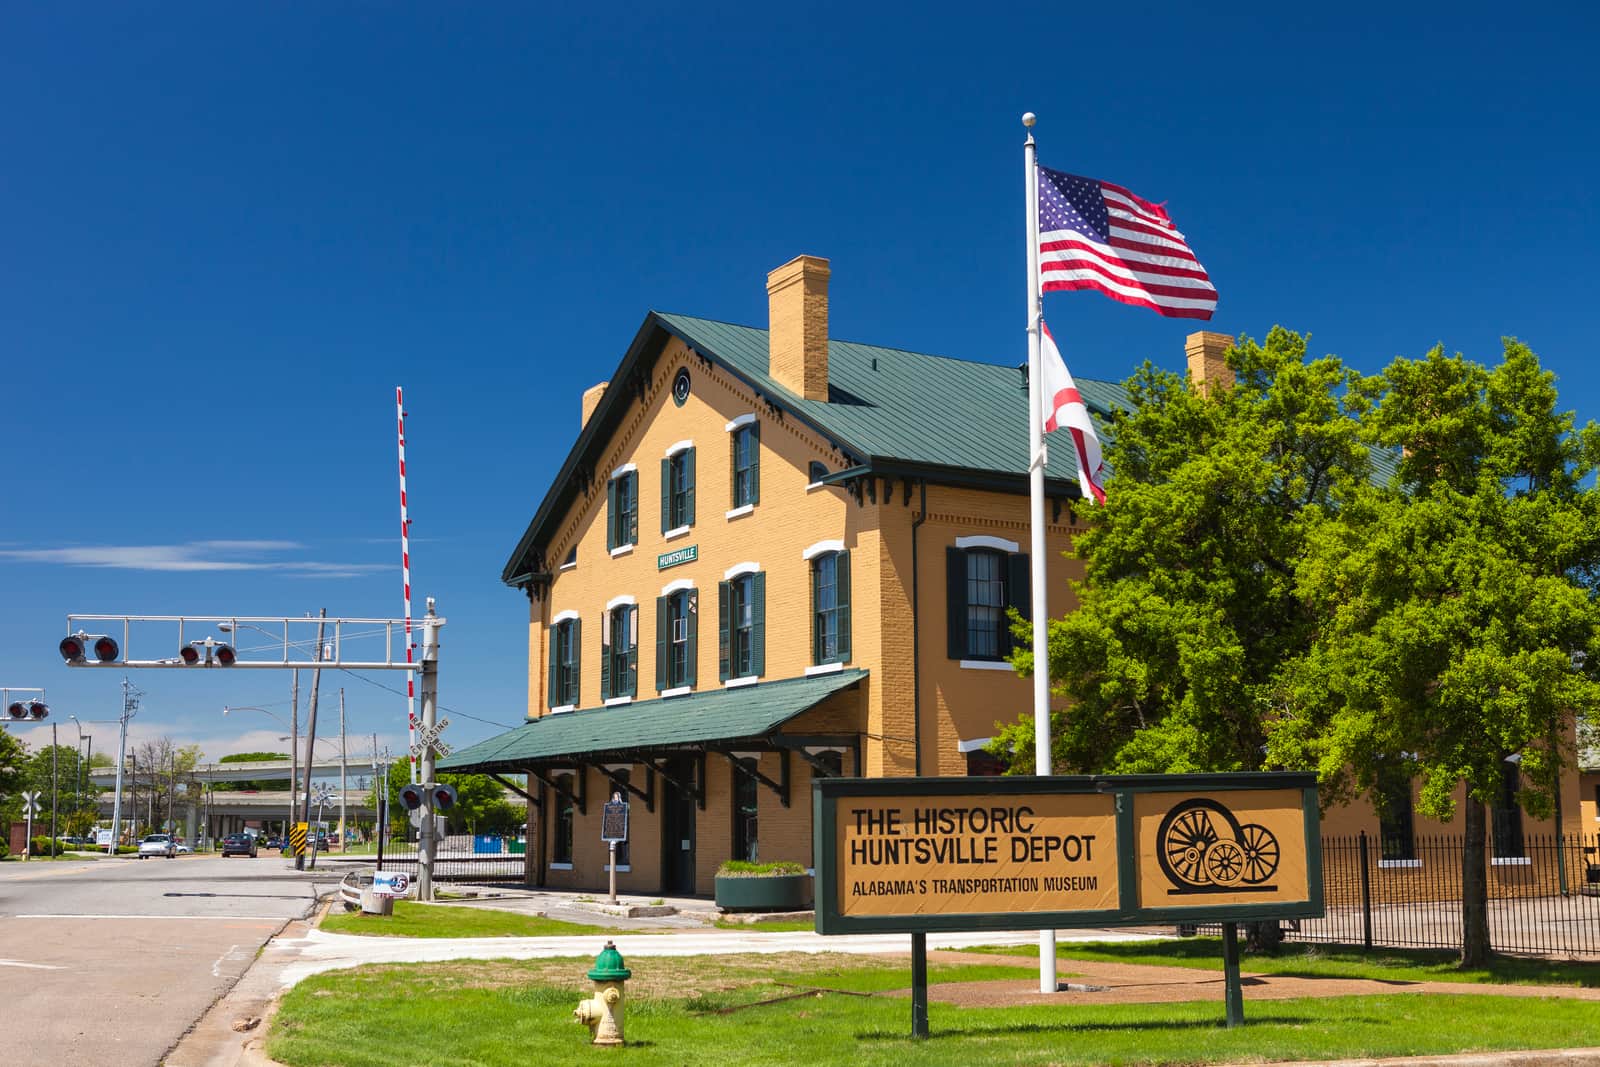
769, 892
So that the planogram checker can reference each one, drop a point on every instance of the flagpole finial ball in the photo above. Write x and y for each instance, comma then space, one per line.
1029, 118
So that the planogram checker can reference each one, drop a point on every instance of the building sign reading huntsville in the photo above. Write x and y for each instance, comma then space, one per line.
929, 856
1016, 853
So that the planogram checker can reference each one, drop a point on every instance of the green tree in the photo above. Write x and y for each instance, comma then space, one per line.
13, 774
1448, 604
255, 785
1189, 607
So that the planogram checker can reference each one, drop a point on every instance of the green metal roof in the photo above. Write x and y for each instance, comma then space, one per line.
890, 404
718, 715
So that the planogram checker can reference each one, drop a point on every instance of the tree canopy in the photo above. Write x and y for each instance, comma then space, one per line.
1316, 569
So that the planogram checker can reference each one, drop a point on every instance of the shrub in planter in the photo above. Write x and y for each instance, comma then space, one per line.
44, 846
742, 886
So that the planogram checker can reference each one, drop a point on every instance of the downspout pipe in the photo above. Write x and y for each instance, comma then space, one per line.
916, 629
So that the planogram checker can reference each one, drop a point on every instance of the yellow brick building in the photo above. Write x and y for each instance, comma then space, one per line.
772, 555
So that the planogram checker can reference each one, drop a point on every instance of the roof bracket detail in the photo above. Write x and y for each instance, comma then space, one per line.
780, 787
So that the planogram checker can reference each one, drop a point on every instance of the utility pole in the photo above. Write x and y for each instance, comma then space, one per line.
343, 770
294, 753
311, 740
129, 702
430, 708
55, 788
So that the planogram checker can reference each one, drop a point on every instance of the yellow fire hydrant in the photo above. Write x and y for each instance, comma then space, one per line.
602, 1013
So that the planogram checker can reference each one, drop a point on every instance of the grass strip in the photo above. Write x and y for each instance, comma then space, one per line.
1323, 961
491, 1013
411, 919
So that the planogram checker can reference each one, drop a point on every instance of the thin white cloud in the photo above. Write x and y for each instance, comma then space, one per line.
193, 556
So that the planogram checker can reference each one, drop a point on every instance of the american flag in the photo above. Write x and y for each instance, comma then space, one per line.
1095, 235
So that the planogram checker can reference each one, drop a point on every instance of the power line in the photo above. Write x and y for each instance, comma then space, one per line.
401, 693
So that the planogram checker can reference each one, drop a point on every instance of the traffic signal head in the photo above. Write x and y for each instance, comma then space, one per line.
411, 796
105, 649
225, 655
444, 797
189, 654
72, 648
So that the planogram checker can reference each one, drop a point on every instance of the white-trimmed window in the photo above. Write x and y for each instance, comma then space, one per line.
744, 446
622, 508
984, 577
677, 488
619, 651
830, 607
561, 839
565, 659
741, 625
677, 637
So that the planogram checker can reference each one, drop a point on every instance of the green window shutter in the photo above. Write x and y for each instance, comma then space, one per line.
844, 606
733, 469
1018, 595
663, 641
955, 593
724, 615
611, 514
755, 463
816, 626
631, 688
688, 487
605, 657
666, 494
554, 650
577, 660
693, 612
633, 509
758, 625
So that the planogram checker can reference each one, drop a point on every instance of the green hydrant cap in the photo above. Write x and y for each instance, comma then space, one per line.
608, 966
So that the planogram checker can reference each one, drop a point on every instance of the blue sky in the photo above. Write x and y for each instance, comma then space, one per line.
226, 235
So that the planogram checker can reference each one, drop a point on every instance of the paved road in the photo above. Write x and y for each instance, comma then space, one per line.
110, 961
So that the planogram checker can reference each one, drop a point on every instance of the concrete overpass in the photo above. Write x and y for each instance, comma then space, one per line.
260, 771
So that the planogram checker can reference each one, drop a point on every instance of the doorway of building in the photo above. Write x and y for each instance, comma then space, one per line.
677, 828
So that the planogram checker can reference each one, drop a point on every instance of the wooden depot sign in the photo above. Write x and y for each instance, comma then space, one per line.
1029, 853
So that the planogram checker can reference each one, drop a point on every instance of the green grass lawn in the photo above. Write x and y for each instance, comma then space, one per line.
1324, 961
481, 1013
443, 920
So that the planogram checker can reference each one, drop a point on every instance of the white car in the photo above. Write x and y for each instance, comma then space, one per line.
158, 845
183, 848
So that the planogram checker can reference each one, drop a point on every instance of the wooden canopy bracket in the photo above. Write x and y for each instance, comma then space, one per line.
688, 787
780, 787
523, 793
580, 798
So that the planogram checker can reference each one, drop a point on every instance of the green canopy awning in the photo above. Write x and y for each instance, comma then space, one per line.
747, 713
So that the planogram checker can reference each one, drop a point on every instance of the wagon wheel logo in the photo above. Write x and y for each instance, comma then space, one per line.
1202, 848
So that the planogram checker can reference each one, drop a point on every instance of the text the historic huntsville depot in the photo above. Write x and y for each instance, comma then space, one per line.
1036, 853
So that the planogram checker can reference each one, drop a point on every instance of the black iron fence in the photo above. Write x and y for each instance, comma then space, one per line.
463, 858
1545, 900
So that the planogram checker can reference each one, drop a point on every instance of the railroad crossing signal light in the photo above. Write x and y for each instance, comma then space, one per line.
105, 649
20, 710
411, 796
444, 797
75, 648
217, 654
72, 648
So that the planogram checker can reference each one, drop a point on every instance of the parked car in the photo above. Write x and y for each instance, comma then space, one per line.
238, 845
158, 845
183, 848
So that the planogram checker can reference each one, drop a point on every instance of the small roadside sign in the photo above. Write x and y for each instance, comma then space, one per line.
30, 802
614, 820
390, 883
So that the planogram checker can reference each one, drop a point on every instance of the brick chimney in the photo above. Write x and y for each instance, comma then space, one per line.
1207, 366
591, 400
797, 310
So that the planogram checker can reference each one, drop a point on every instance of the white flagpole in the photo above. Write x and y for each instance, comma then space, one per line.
1041, 617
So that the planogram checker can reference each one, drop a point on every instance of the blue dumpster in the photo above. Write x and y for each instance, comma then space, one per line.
486, 843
